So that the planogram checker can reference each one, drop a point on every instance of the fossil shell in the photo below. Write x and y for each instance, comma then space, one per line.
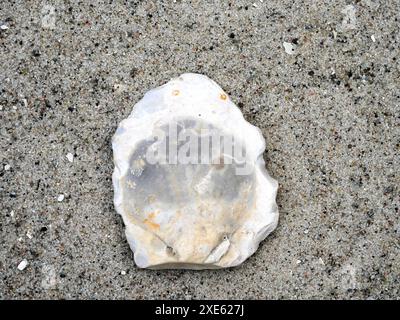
207, 210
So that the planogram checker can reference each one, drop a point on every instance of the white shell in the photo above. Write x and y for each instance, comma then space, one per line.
193, 216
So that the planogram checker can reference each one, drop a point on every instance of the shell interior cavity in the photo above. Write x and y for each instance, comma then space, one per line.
190, 180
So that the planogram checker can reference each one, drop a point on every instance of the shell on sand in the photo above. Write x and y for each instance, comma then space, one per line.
188, 201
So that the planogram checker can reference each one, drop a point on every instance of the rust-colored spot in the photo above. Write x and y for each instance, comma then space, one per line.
223, 96
150, 223
175, 93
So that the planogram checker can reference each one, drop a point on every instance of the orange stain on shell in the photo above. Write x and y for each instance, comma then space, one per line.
223, 96
150, 223
175, 93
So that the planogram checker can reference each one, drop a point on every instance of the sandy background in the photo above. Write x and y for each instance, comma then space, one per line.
329, 109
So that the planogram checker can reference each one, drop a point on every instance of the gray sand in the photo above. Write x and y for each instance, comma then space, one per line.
329, 111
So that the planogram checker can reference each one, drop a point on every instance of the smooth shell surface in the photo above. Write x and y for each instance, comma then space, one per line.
191, 214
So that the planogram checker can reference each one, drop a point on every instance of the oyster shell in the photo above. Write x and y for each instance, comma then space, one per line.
190, 180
